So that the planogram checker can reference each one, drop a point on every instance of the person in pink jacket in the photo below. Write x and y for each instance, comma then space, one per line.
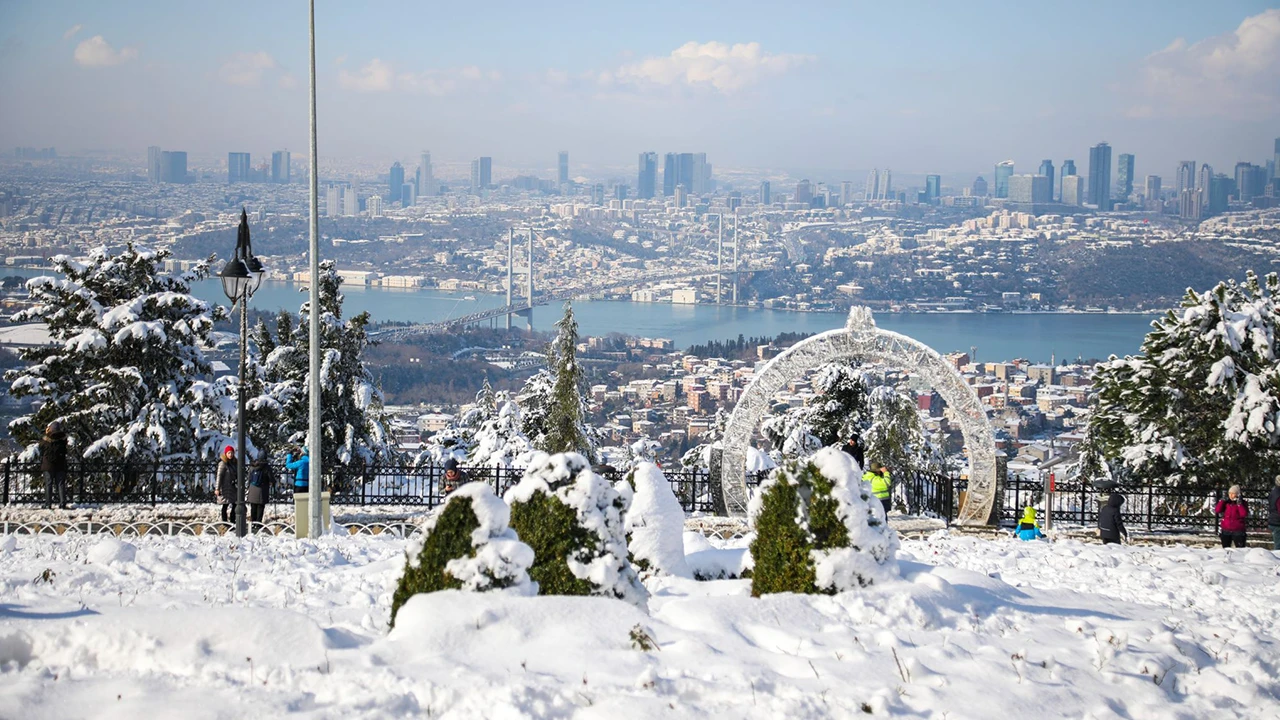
1233, 512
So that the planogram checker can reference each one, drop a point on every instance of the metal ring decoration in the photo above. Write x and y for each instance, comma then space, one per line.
860, 339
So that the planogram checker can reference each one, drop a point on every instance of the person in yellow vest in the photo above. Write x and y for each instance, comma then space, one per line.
878, 476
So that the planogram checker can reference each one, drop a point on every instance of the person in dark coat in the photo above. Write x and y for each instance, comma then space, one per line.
1110, 524
261, 478
453, 476
53, 462
225, 489
1234, 513
1273, 514
853, 448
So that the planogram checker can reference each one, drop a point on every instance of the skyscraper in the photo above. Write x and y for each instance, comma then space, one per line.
1030, 189
1186, 179
1004, 171
804, 192
396, 182
238, 167
1203, 180
669, 172
486, 172
562, 177
1072, 190
1153, 192
1046, 169
979, 187
647, 182
1277, 157
1068, 168
846, 193
426, 175
173, 166
766, 193
1221, 188
154, 171
1251, 181
332, 201
1124, 176
1100, 176
932, 188
280, 171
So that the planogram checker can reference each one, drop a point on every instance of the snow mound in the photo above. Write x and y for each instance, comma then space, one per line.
655, 523
111, 550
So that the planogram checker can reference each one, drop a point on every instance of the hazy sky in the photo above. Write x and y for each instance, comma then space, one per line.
949, 87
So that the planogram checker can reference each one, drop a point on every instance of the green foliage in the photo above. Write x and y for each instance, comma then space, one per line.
449, 539
780, 548
551, 528
565, 429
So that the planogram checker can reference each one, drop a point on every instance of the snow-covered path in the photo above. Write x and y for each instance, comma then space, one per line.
217, 628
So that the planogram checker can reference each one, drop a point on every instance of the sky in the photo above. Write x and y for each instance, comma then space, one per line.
823, 88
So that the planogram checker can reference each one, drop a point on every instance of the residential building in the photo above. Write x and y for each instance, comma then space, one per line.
1072, 190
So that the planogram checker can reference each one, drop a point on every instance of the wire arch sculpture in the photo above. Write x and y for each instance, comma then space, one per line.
860, 339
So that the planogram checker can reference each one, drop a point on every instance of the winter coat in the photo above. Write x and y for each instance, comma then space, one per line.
259, 484
1028, 531
1233, 514
855, 451
53, 452
227, 481
1273, 506
879, 483
302, 466
1110, 524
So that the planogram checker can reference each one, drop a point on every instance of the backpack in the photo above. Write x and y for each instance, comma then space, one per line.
261, 476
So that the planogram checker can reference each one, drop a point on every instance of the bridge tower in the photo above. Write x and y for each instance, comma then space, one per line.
511, 261
719, 253
736, 278
530, 284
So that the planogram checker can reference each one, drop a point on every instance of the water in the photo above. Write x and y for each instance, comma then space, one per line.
997, 336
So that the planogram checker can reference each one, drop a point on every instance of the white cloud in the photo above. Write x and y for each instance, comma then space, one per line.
718, 65
96, 52
374, 76
72, 32
287, 82
246, 68
1235, 73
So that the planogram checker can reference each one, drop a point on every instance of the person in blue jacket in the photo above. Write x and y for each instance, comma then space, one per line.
1027, 529
302, 466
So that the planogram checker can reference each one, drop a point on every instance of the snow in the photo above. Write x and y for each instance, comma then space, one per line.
500, 558
975, 628
655, 523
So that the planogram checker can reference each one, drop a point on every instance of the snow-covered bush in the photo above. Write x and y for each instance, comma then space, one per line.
655, 524
819, 529
498, 441
574, 521
466, 544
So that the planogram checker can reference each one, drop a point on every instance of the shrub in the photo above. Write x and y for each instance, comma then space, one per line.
573, 520
655, 524
466, 545
819, 530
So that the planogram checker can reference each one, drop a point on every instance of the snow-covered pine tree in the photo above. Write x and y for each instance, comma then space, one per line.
125, 374
1198, 407
356, 428
498, 441
896, 436
566, 427
842, 407
535, 401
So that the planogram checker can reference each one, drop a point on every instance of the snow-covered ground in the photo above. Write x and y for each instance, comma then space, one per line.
212, 627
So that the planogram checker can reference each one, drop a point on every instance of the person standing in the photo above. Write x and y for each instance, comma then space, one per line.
881, 486
224, 490
1234, 513
1273, 514
853, 448
53, 462
453, 477
302, 471
259, 492
1110, 524
1027, 528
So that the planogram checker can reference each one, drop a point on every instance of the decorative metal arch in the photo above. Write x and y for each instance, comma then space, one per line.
860, 339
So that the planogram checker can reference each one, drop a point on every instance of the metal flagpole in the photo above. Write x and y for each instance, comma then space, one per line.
315, 476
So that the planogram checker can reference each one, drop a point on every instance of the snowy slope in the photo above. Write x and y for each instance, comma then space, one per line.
213, 628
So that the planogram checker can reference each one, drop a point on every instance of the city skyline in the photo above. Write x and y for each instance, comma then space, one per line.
750, 89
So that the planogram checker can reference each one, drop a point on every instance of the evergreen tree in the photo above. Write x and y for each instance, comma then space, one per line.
356, 430
498, 441
566, 429
896, 436
125, 374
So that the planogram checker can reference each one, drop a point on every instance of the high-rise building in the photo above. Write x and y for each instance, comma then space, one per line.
154, 169
1251, 181
374, 206
766, 194
486, 172
979, 187
1046, 169
1153, 192
173, 166
238, 167
1068, 168
426, 176
1186, 179
396, 182
682, 196
701, 172
846, 193
1191, 204
669, 172
350, 201
1004, 171
1276, 161
280, 170
932, 188
647, 182
562, 176
1100, 176
1124, 176
408, 195
332, 201
1203, 180
1030, 189
1221, 188
1072, 190
804, 192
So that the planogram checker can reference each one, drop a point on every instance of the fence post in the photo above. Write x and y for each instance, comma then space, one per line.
80, 469
8, 464
1151, 509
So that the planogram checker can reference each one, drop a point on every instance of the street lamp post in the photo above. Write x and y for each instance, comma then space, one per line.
240, 279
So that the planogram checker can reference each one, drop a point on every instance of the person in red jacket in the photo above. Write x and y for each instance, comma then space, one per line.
1233, 512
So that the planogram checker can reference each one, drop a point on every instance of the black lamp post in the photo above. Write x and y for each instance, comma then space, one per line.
240, 279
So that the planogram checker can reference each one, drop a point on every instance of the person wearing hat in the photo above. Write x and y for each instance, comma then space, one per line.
453, 477
1027, 528
224, 490
881, 485
258, 492
302, 471
53, 461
